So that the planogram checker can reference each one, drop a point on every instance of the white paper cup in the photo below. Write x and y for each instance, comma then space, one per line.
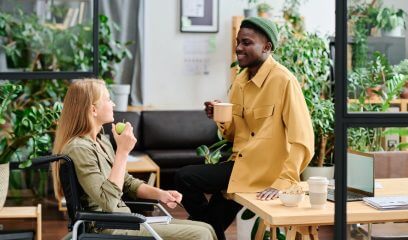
223, 112
318, 192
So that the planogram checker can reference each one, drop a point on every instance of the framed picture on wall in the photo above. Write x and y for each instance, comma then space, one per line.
199, 16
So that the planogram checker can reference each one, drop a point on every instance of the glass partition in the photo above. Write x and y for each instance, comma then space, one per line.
46, 36
377, 167
377, 52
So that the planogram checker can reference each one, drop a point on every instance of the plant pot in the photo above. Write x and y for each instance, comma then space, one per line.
4, 181
263, 14
3, 62
120, 96
404, 92
325, 171
396, 32
371, 93
252, 12
244, 227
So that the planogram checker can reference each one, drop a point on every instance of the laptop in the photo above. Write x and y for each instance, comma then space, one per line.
360, 177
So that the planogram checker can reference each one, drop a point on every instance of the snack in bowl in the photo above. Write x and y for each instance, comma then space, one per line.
292, 196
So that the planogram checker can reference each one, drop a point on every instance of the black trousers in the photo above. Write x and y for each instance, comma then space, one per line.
195, 180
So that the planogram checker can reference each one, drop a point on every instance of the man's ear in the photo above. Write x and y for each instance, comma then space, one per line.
268, 47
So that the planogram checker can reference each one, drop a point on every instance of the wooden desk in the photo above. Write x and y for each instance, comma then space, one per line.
275, 214
145, 164
24, 212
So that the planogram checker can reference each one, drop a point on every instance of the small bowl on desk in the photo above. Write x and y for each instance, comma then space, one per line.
290, 199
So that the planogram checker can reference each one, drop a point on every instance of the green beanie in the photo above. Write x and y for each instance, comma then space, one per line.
267, 27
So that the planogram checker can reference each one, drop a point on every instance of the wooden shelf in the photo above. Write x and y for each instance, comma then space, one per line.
402, 103
24, 212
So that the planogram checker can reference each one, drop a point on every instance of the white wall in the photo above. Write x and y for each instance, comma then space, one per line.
167, 86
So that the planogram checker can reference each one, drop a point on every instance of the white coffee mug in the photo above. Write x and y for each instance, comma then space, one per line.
223, 112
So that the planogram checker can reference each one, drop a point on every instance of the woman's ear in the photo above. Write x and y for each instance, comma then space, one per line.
93, 110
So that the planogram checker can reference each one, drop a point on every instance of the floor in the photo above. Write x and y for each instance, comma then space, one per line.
55, 223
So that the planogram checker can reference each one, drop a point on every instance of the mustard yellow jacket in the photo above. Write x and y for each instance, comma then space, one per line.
271, 130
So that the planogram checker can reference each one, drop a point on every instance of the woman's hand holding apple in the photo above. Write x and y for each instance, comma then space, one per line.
124, 137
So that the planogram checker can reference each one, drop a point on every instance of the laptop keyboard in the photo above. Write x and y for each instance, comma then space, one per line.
351, 196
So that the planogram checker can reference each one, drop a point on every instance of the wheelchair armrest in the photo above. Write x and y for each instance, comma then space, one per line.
141, 201
117, 217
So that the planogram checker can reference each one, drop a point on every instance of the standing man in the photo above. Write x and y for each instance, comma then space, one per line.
271, 132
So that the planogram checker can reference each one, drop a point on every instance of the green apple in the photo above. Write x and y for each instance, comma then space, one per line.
120, 126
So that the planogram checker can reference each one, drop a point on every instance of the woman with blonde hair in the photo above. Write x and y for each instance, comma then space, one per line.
101, 172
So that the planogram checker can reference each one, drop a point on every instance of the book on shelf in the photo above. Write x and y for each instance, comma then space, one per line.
387, 202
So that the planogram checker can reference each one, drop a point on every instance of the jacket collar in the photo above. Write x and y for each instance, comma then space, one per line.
261, 75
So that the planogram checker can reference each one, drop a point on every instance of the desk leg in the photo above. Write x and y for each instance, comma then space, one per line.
274, 236
39, 223
307, 233
261, 230
291, 233
369, 230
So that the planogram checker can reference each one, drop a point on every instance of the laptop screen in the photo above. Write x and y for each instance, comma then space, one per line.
360, 171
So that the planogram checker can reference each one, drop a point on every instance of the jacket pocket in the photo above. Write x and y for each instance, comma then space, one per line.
264, 112
237, 110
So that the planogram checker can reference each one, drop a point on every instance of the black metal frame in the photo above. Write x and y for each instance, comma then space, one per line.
77, 217
217, 2
65, 75
345, 120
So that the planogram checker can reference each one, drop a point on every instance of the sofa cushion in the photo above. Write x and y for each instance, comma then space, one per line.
134, 119
175, 158
177, 129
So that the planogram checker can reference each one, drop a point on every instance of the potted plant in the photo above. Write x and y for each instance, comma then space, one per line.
292, 16
402, 68
362, 22
27, 127
110, 53
250, 10
14, 37
264, 9
391, 21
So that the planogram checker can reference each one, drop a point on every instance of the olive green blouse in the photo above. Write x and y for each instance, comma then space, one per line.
93, 164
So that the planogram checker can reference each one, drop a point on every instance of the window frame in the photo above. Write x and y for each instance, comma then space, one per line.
66, 74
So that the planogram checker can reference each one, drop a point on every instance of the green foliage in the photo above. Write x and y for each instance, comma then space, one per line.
402, 132
364, 139
251, 3
402, 67
362, 17
307, 57
292, 15
30, 45
213, 153
389, 18
377, 72
111, 52
264, 7
27, 123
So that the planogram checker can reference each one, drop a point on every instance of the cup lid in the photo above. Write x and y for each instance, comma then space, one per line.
318, 180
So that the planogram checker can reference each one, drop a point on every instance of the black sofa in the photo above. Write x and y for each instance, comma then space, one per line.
170, 138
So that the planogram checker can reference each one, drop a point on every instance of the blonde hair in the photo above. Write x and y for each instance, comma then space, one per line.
75, 119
